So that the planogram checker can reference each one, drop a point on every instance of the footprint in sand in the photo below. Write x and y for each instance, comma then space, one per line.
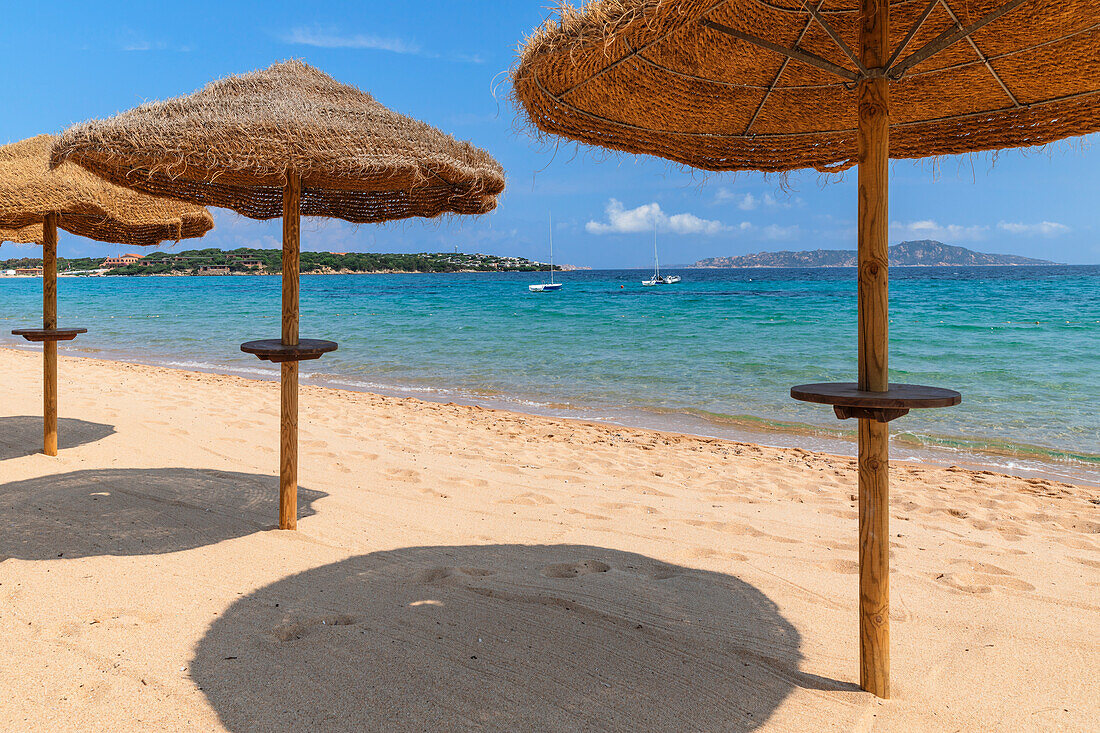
574, 569
588, 515
709, 553
980, 577
442, 572
402, 474
528, 498
294, 630
663, 572
1078, 524
848, 567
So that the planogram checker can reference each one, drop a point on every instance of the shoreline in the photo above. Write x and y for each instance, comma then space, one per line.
838, 442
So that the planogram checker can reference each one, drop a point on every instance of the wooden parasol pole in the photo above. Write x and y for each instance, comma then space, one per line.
874, 516
288, 438
49, 347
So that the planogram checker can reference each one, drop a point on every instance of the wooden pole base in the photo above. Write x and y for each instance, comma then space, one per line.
874, 558
288, 448
49, 398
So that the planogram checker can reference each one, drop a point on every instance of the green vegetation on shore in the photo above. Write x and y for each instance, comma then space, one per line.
269, 261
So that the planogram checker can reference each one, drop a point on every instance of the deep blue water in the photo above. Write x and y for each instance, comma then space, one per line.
720, 350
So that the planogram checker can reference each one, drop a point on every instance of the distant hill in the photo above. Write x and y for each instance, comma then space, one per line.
245, 261
921, 253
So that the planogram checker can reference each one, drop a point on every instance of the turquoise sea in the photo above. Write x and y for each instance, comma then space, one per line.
714, 355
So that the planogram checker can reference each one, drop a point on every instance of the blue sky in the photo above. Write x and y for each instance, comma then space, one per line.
447, 63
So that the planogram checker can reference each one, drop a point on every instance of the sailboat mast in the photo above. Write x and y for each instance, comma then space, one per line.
550, 223
656, 262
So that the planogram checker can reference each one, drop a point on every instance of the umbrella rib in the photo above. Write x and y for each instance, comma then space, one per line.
835, 36
982, 56
803, 56
948, 38
912, 32
778, 74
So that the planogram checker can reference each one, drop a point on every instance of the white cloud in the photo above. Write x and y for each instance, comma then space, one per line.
1043, 228
750, 202
144, 46
330, 39
131, 41
929, 229
333, 38
776, 232
641, 219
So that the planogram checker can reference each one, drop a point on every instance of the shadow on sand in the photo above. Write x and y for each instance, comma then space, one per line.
21, 435
502, 638
135, 511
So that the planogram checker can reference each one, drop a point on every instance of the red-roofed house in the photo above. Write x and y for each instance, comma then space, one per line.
126, 259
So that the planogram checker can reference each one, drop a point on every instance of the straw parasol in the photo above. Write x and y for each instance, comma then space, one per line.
728, 85
30, 234
35, 200
288, 141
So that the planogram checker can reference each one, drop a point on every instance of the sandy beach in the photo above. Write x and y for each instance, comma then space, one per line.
459, 568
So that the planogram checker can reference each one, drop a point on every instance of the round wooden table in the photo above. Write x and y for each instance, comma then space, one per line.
848, 400
39, 335
276, 351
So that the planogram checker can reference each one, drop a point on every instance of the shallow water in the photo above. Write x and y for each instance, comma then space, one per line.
715, 354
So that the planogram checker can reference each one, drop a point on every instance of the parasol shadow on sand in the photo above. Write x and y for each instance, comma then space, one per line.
288, 141
502, 638
36, 200
113, 512
18, 432
728, 85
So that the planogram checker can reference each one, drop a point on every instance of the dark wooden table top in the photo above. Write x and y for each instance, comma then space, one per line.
48, 334
899, 396
275, 350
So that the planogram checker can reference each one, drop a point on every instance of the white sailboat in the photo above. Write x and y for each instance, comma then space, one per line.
657, 279
543, 287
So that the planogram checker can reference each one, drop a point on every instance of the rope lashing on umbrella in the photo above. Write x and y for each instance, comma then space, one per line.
947, 38
815, 12
982, 56
804, 56
913, 31
894, 70
778, 74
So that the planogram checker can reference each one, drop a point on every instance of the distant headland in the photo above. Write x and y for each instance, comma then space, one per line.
269, 261
920, 253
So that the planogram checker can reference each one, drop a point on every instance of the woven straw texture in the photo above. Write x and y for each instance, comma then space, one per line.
232, 143
30, 234
646, 76
86, 204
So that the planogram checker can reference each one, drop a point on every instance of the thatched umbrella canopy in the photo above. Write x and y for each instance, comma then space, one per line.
85, 204
30, 234
286, 141
232, 144
35, 200
747, 85
729, 85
